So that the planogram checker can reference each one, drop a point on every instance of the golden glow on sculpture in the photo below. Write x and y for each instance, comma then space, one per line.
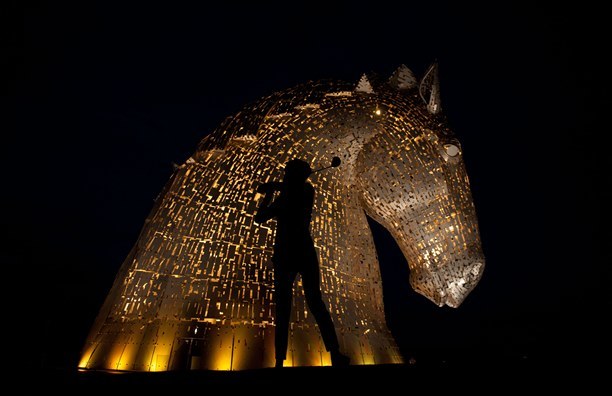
196, 291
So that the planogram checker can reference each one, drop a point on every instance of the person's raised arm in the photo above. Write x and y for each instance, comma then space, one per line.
265, 212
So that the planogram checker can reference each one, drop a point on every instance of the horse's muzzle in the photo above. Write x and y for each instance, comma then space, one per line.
449, 284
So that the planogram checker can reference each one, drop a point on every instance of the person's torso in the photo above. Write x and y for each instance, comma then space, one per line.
294, 212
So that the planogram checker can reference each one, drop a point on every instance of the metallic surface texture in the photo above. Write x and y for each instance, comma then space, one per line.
196, 291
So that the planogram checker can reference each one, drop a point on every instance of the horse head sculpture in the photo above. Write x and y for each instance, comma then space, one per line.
196, 290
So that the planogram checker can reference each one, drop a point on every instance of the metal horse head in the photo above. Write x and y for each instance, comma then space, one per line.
196, 290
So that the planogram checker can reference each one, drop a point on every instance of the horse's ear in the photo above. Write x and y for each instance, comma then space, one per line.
402, 78
364, 85
429, 88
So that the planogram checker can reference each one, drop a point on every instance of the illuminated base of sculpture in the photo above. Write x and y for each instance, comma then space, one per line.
177, 346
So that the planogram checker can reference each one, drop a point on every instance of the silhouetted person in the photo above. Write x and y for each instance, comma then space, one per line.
294, 253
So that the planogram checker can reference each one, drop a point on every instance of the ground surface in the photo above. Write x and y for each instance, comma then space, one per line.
476, 375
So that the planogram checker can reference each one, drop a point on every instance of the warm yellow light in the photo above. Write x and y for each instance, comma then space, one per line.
197, 290
85, 357
222, 360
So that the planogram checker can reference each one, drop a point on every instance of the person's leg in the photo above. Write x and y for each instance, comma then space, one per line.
283, 293
312, 291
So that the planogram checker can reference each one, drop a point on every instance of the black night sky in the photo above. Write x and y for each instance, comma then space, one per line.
104, 96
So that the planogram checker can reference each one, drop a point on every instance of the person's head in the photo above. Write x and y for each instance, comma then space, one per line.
296, 171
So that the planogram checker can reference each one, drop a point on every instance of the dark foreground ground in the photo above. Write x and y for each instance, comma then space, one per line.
473, 375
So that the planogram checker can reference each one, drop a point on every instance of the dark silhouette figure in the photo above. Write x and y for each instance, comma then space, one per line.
294, 253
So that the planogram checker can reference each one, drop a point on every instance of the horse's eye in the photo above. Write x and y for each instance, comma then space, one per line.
451, 150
